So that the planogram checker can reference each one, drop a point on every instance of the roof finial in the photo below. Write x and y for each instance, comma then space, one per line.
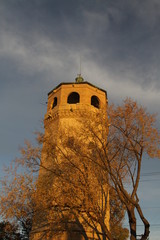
79, 78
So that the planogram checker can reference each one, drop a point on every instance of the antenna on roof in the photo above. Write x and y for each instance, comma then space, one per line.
80, 65
79, 78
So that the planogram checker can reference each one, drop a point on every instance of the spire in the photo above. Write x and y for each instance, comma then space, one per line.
79, 78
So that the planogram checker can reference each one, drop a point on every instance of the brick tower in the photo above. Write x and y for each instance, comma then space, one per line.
66, 104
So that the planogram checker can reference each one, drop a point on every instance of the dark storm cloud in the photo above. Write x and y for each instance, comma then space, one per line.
130, 47
121, 36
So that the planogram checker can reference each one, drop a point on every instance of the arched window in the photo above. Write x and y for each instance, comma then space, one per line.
95, 101
54, 102
73, 98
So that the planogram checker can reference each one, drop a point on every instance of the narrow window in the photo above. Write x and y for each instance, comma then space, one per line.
54, 102
95, 101
73, 98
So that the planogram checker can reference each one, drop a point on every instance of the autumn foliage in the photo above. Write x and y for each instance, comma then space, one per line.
84, 176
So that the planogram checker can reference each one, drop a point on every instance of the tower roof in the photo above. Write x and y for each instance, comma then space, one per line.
77, 82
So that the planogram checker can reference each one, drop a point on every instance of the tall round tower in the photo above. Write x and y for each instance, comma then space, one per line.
67, 104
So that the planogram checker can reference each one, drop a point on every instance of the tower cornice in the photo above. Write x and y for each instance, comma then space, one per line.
77, 83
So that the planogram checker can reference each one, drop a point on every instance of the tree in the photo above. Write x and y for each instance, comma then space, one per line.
103, 153
132, 136
117, 216
118, 145
9, 231
65, 209
17, 197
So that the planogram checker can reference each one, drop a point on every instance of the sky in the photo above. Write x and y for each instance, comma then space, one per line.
41, 44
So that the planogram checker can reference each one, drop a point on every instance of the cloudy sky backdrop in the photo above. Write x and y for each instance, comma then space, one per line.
41, 42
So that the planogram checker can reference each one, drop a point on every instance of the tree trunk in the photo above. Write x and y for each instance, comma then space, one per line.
105, 231
145, 222
132, 223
